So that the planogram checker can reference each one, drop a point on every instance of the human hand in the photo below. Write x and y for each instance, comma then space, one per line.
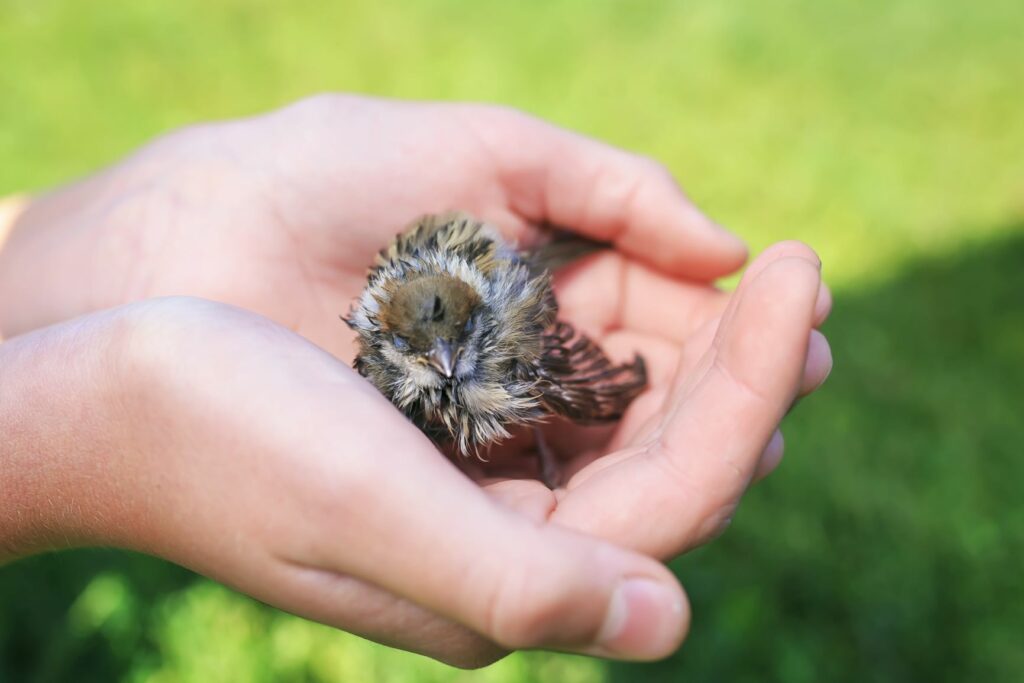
281, 214
723, 368
210, 436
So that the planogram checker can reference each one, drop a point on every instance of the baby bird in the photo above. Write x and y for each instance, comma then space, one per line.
457, 328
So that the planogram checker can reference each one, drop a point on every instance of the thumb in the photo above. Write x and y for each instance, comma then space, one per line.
403, 518
530, 586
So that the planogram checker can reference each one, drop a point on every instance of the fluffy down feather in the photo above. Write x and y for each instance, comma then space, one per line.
515, 365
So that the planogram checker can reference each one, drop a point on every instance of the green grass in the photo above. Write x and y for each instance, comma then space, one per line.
888, 135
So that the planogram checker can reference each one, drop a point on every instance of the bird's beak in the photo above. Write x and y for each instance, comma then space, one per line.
443, 357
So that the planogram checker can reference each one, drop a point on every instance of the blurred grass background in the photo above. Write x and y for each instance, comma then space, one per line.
889, 135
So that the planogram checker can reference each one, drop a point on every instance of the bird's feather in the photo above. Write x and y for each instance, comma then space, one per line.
581, 383
520, 366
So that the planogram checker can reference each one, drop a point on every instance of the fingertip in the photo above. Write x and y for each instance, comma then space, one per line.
779, 251
771, 457
729, 250
793, 249
791, 277
728, 247
646, 620
819, 363
823, 306
690, 244
576, 593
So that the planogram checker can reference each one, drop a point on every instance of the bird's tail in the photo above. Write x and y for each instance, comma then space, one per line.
564, 248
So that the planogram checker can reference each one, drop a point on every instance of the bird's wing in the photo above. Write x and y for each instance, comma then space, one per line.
562, 249
579, 382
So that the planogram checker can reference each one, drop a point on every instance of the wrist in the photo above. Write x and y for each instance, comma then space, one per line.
62, 456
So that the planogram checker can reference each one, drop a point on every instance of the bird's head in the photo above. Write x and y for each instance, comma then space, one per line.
430, 321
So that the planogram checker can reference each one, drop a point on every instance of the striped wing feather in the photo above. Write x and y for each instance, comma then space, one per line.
579, 382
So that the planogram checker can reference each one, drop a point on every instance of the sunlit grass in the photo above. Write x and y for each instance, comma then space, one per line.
885, 134
874, 131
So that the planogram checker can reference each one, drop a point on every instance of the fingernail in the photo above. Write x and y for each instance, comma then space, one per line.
828, 372
645, 620
819, 353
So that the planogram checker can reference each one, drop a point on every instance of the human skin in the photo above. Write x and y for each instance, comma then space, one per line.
247, 453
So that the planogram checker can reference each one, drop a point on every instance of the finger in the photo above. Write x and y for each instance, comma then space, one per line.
771, 457
337, 480
759, 353
770, 256
818, 365
553, 175
362, 608
775, 252
823, 306
608, 291
704, 453
816, 369
661, 357
583, 443
640, 417
476, 562
529, 497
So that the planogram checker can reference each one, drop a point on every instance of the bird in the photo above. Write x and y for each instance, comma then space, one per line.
459, 330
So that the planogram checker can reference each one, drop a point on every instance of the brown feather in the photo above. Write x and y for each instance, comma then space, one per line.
581, 383
454, 278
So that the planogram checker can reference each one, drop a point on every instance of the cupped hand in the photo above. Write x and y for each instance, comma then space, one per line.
283, 213
724, 369
213, 437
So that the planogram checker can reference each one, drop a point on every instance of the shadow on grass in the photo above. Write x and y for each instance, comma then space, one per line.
890, 545
81, 615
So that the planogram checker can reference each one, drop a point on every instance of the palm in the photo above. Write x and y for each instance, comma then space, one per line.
289, 227
679, 454
342, 176
303, 198
654, 316
281, 214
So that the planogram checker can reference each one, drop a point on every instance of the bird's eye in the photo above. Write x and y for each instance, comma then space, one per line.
437, 314
400, 342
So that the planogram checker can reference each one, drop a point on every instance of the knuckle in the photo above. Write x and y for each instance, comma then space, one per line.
745, 388
629, 183
710, 508
504, 113
515, 614
321, 105
656, 170
139, 329
146, 341
153, 319
528, 609
143, 338
714, 523
497, 122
